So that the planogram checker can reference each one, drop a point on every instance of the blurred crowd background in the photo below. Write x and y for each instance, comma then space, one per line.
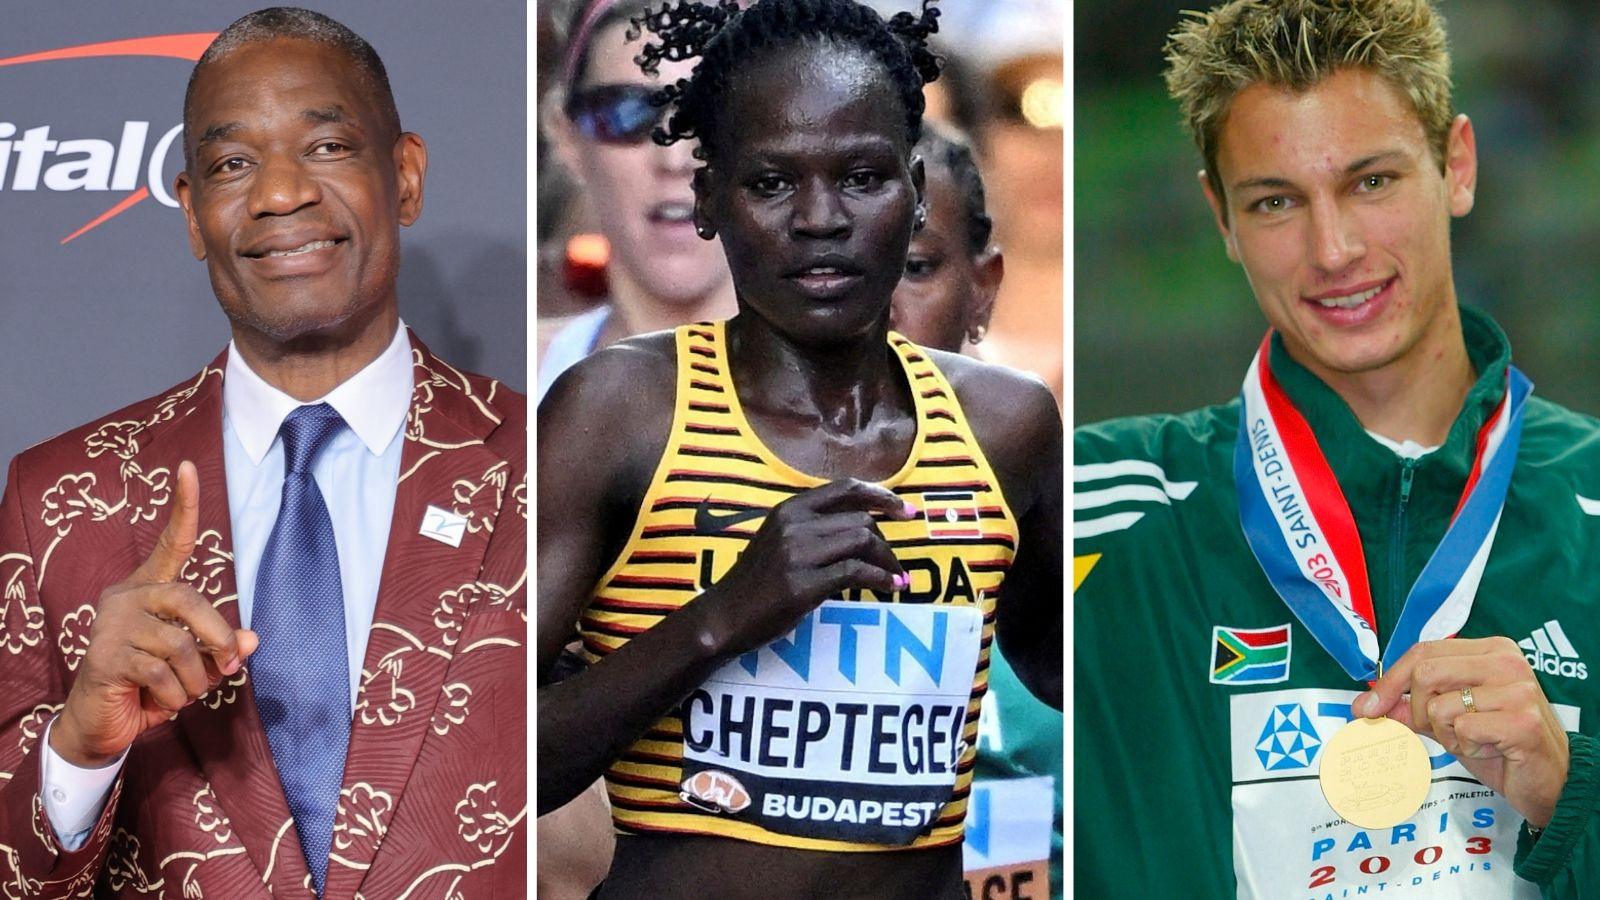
1003, 86
1164, 322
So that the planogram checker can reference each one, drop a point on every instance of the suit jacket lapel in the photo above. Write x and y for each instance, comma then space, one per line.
223, 728
452, 485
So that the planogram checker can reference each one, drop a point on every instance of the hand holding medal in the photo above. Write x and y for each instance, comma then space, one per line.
1375, 772
1481, 702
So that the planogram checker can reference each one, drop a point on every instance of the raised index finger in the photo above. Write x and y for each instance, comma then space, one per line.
176, 543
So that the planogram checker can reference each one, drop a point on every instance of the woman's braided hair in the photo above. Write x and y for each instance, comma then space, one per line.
947, 147
725, 36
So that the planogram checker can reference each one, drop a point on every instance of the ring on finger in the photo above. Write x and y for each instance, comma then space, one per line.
1467, 701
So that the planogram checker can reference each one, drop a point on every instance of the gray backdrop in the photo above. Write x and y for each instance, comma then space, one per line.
123, 311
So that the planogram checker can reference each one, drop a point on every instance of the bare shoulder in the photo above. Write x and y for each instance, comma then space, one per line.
1014, 417
1009, 410
632, 375
605, 422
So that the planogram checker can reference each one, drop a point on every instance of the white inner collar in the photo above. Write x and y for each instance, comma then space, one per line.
373, 402
1408, 448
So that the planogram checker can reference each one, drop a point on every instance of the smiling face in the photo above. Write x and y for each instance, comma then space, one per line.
296, 190
812, 191
640, 191
1337, 210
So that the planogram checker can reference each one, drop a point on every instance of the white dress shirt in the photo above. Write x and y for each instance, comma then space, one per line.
357, 473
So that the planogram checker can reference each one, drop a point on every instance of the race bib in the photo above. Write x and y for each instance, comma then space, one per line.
848, 729
1006, 851
1287, 843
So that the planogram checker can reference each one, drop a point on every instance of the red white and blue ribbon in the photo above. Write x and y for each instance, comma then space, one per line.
1300, 528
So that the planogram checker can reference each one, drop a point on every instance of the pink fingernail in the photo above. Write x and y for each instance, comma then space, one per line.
902, 581
909, 511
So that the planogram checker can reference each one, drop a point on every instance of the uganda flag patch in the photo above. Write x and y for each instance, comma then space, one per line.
1249, 655
952, 514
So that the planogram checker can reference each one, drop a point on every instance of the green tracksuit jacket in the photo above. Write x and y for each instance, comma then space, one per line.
1201, 701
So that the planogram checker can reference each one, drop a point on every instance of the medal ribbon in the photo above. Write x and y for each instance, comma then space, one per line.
1299, 526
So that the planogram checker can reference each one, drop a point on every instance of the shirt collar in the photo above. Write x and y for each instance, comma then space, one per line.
373, 402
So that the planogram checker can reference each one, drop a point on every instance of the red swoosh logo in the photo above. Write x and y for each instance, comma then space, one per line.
168, 46
171, 46
122, 204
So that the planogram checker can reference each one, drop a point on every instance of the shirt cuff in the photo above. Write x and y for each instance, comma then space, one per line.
1540, 859
73, 797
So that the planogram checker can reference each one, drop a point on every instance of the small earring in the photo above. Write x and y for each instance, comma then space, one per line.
920, 220
976, 333
704, 231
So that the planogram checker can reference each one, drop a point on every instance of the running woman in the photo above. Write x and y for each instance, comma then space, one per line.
786, 540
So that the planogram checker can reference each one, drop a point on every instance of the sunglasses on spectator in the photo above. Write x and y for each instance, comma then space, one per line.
614, 113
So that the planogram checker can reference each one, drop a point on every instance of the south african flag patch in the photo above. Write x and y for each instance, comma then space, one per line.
1249, 655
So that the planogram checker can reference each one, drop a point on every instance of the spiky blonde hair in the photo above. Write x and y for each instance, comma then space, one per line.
1294, 44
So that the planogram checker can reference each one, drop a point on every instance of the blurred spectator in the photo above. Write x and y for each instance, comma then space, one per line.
944, 301
953, 271
1014, 115
959, 99
655, 273
1006, 90
992, 31
557, 200
1024, 156
598, 120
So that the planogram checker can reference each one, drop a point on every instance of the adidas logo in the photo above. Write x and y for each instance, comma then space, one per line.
1547, 650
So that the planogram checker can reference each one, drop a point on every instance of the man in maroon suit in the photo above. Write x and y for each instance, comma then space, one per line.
189, 586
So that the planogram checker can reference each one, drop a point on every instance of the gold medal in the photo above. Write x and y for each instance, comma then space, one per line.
1375, 773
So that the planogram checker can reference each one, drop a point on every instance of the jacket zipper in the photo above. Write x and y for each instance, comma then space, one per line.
1397, 543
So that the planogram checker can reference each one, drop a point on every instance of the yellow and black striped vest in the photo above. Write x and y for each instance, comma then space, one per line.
709, 495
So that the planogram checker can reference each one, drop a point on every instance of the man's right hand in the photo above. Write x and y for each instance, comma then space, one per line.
811, 546
156, 646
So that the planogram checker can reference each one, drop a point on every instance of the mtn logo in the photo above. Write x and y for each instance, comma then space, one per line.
1547, 650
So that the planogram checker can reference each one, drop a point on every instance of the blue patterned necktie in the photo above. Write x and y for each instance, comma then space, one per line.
301, 672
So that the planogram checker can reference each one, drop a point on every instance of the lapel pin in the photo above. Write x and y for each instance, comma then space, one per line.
443, 526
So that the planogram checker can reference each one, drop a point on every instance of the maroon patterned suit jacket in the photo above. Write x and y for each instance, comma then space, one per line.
435, 796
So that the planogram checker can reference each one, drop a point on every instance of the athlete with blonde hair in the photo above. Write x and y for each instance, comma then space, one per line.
1384, 527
